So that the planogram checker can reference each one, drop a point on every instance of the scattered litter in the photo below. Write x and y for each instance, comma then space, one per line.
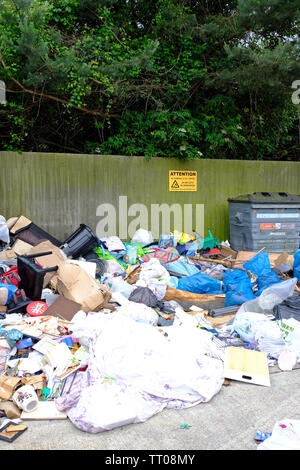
285, 436
108, 332
261, 436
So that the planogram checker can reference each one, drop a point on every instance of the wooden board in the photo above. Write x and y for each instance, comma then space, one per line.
177, 294
246, 365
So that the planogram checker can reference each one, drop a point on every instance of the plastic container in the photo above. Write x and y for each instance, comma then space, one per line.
265, 220
26, 398
37, 308
80, 242
32, 275
131, 254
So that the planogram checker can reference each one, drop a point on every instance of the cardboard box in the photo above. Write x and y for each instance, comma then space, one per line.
74, 283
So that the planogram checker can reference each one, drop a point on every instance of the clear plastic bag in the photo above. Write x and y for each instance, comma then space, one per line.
270, 297
142, 237
4, 232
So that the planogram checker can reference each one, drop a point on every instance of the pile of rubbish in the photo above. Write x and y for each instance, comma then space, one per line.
107, 332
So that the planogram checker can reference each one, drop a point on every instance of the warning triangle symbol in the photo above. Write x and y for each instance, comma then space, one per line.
175, 185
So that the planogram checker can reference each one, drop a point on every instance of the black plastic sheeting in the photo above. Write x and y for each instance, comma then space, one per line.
289, 308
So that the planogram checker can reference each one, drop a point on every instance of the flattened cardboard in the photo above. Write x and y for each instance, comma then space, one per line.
7, 386
21, 248
246, 365
244, 256
7, 255
74, 283
45, 410
11, 410
63, 308
21, 223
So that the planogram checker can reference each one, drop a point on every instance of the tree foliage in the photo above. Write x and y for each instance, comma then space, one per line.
169, 78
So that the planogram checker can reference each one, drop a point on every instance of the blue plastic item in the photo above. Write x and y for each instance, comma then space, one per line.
25, 343
180, 266
296, 265
200, 284
259, 265
11, 290
265, 281
233, 297
69, 342
238, 287
232, 279
12, 336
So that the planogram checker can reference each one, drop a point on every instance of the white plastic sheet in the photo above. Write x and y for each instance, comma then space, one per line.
285, 436
270, 297
138, 312
4, 232
153, 269
149, 371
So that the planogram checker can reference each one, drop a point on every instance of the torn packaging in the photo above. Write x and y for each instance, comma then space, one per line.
74, 283
7, 386
10, 409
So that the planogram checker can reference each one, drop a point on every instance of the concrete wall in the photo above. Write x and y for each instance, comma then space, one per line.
60, 191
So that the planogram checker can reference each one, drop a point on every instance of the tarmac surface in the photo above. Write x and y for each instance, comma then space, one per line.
229, 421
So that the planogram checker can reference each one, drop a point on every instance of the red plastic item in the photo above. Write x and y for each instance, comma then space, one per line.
11, 277
36, 308
214, 251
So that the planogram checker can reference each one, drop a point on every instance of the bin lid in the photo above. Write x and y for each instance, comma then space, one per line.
267, 197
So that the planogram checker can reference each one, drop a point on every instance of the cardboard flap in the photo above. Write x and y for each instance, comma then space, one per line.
21, 224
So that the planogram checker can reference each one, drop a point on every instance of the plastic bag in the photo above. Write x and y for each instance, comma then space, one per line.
113, 266
200, 284
270, 297
247, 324
113, 243
183, 237
296, 265
285, 436
117, 284
154, 270
233, 278
238, 287
11, 289
143, 295
12, 336
287, 360
290, 332
142, 237
138, 312
165, 241
269, 340
289, 308
4, 232
276, 293
233, 298
180, 266
259, 265
266, 280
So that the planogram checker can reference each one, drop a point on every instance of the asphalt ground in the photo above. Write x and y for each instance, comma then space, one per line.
229, 421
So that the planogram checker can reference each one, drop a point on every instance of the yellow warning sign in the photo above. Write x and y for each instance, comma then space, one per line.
182, 180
